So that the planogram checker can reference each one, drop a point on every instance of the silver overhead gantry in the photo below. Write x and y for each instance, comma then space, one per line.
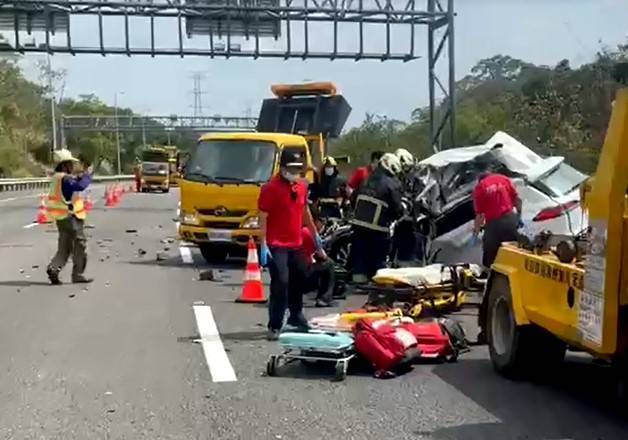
284, 29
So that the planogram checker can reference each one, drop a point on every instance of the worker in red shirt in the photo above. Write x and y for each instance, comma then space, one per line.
498, 210
283, 212
360, 175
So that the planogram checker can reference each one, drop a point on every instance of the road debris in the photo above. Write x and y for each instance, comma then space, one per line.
35, 266
131, 231
72, 295
141, 251
207, 275
162, 256
21, 270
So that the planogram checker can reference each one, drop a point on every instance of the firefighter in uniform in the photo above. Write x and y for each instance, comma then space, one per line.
377, 205
66, 208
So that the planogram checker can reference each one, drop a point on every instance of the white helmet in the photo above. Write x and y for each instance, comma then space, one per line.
405, 157
390, 163
63, 155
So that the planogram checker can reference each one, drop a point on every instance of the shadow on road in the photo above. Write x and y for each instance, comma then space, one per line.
577, 404
24, 283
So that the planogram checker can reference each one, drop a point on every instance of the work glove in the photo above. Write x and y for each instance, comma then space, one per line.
473, 241
265, 255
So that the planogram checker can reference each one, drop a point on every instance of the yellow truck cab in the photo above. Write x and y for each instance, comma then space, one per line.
154, 170
221, 185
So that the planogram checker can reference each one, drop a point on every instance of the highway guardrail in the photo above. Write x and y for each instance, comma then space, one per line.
29, 183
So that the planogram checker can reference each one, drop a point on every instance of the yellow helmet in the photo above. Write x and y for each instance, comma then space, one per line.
329, 161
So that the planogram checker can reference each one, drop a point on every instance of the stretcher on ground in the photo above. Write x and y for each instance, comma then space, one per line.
432, 289
314, 346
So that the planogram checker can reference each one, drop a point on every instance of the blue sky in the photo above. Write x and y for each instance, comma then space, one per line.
540, 31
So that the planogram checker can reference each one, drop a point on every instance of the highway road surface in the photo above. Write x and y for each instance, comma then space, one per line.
150, 352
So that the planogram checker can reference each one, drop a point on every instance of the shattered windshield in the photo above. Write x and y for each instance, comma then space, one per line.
561, 181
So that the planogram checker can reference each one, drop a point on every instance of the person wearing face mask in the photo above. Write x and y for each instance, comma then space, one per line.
330, 190
283, 213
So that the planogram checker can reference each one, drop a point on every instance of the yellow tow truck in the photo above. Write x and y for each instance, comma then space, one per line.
541, 300
225, 171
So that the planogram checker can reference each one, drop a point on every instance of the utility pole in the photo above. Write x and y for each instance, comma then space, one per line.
117, 122
52, 106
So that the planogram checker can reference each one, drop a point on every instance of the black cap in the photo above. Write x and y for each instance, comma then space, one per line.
292, 158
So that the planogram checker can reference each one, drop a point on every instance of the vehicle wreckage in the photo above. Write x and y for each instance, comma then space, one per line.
441, 185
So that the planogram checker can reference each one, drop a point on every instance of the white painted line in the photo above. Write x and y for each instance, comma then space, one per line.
217, 360
12, 199
30, 225
186, 255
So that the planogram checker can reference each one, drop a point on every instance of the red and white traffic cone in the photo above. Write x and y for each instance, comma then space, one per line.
253, 289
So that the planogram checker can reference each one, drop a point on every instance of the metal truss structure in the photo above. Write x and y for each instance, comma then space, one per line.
125, 123
281, 29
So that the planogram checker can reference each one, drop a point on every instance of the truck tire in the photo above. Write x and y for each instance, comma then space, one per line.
517, 351
213, 254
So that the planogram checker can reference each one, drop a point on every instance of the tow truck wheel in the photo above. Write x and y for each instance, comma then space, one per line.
517, 351
213, 254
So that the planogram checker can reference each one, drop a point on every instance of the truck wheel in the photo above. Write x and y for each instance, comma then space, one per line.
517, 351
213, 254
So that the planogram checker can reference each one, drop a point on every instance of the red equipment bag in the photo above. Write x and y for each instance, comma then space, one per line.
433, 340
383, 346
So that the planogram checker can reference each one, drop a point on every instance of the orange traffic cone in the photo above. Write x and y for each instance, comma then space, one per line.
110, 201
42, 215
116, 195
89, 205
253, 289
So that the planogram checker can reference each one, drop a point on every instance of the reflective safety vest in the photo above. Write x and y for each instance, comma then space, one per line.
368, 213
57, 207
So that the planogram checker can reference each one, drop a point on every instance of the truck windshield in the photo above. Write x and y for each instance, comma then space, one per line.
232, 161
154, 168
154, 156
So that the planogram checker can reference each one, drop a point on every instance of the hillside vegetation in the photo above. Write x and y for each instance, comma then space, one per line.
26, 126
557, 110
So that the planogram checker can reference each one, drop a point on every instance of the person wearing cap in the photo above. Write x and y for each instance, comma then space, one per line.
66, 208
330, 190
360, 175
283, 213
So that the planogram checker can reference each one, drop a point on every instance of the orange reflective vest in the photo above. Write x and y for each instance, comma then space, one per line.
57, 207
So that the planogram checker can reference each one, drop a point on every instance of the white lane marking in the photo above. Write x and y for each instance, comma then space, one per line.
215, 355
30, 225
186, 255
12, 199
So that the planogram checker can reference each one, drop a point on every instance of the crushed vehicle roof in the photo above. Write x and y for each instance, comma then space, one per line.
502, 147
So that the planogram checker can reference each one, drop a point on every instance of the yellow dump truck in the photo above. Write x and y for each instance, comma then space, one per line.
224, 174
541, 300
154, 170
221, 185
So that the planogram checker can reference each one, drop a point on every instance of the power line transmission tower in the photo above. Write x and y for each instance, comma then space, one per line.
198, 93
